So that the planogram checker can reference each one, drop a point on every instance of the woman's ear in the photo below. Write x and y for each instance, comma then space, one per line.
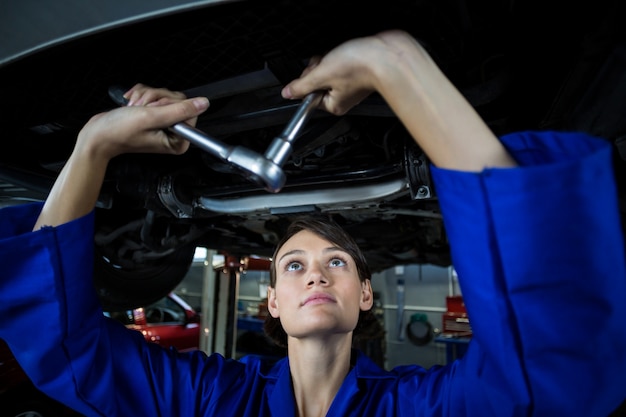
367, 295
272, 304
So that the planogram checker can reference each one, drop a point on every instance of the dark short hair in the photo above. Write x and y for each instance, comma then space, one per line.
331, 231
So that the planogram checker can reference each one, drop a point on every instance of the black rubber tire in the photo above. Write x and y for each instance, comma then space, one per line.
128, 288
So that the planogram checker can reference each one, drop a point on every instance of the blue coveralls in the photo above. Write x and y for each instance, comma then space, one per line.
540, 256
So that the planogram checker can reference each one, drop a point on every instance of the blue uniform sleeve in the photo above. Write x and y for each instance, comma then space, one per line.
51, 319
540, 256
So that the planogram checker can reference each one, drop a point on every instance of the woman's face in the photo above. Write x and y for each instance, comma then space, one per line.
318, 291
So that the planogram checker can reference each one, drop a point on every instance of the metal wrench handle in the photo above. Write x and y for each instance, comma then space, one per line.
281, 147
251, 164
202, 140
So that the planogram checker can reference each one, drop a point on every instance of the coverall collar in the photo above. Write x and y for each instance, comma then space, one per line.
282, 399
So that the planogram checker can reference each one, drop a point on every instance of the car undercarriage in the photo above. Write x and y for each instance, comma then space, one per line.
522, 65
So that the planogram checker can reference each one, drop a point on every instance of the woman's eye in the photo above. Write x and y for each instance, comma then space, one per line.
293, 266
337, 262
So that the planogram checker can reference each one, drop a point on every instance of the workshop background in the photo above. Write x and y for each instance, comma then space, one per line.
403, 295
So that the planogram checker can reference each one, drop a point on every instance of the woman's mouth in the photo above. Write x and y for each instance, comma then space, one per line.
319, 298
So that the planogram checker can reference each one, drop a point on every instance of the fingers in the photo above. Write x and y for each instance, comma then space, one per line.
175, 145
340, 94
345, 74
305, 83
142, 95
172, 113
136, 129
296, 89
313, 62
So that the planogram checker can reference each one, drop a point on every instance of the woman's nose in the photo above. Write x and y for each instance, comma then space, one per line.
316, 276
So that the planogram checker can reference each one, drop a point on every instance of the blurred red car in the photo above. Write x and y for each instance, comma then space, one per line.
170, 322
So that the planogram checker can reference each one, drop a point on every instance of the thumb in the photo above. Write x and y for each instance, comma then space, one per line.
299, 88
194, 106
180, 111
308, 82
303, 85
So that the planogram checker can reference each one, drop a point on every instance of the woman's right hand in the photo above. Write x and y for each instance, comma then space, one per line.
141, 126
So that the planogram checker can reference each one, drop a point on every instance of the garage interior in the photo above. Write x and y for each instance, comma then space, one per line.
425, 298
545, 69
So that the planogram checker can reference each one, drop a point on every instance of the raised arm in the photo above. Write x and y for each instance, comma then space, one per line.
133, 129
81, 358
395, 65
531, 280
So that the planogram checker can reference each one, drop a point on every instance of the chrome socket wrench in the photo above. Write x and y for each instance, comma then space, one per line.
265, 170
